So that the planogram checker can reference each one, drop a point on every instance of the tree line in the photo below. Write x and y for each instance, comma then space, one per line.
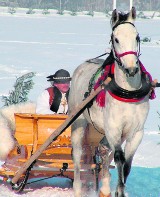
82, 5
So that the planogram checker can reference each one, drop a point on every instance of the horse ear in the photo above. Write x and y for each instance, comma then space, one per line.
132, 14
115, 17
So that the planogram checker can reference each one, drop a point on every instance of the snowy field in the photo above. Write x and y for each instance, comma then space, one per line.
43, 44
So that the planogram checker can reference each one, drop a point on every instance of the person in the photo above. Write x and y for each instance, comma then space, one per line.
55, 98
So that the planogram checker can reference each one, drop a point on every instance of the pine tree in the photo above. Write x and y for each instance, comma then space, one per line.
22, 87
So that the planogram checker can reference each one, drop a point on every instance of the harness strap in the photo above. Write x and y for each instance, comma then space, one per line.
93, 122
125, 53
121, 23
97, 57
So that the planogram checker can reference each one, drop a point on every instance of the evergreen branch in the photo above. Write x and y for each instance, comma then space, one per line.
22, 87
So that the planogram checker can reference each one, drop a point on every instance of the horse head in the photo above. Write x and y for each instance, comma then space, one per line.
125, 41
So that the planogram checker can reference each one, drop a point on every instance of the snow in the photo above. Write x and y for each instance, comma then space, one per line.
43, 44
147, 154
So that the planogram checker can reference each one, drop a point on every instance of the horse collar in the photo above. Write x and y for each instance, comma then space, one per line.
129, 96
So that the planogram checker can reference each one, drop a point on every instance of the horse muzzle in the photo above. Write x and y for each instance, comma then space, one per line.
131, 72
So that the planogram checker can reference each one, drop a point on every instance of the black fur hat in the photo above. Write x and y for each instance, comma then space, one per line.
61, 76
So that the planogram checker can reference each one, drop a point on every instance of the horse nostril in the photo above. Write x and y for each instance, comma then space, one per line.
132, 71
127, 70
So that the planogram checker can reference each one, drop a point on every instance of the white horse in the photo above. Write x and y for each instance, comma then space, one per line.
126, 104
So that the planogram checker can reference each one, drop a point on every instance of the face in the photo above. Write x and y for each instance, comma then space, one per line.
125, 41
63, 87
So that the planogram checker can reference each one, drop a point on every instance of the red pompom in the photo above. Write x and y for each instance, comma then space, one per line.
100, 99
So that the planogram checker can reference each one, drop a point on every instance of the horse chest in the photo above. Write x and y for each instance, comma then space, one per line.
126, 114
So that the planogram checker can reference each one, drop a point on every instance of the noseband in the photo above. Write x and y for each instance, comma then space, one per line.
119, 55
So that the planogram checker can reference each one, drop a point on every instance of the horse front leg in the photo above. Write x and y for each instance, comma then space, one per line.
76, 137
115, 141
119, 159
104, 150
130, 149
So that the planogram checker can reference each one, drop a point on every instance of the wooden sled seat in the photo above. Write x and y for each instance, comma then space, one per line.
32, 130
37, 127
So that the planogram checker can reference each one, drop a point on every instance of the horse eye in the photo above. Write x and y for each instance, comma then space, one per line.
116, 40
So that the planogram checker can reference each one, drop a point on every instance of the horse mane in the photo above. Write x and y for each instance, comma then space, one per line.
122, 18
109, 60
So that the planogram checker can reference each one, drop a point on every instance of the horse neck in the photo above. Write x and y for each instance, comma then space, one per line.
128, 83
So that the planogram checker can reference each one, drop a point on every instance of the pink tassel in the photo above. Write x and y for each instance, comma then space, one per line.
152, 95
100, 99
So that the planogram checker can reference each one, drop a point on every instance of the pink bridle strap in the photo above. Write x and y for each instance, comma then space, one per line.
126, 53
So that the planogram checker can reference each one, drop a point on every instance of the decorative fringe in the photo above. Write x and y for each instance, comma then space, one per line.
109, 69
152, 94
100, 99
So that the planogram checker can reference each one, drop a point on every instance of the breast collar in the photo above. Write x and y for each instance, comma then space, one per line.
129, 96
119, 93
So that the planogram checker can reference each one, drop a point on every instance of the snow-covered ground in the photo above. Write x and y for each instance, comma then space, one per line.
43, 44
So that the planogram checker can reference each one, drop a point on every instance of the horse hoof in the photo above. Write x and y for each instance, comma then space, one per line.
103, 195
119, 195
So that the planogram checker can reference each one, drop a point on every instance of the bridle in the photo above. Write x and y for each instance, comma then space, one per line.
119, 55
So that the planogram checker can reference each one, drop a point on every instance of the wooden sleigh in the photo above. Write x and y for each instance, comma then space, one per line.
45, 150
31, 132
